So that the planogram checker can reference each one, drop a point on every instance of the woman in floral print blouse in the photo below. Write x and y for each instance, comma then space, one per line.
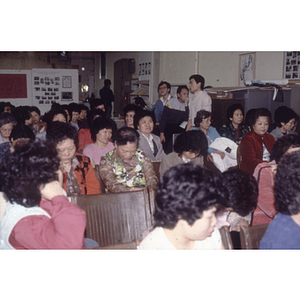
126, 168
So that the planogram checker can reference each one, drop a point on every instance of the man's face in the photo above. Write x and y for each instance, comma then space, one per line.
163, 90
183, 95
194, 86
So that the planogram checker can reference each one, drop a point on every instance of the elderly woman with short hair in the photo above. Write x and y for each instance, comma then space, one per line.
7, 123
126, 168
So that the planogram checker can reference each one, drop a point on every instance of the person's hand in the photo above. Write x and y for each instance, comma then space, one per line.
222, 154
186, 101
51, 189
162, 137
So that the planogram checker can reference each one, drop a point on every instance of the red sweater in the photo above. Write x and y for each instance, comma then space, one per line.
251, 149
64, 230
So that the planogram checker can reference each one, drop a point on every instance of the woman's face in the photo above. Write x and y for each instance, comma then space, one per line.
59, 118
205, 123
129, 118
104, 135
237, 117
261, 125
202, 228
288, 126
6, 129
75, 115
189, 154
35, 117
146, 125
126, 152
66, 150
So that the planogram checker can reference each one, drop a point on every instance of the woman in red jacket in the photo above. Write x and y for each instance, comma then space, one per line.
79, 175
256, 145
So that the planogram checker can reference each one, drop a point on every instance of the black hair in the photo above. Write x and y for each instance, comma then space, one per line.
36, 109
126, 135
130, 107
184, 192
284, 114
198, 78
6, 118
92, 115
181, 87
102, 123
162, 83
283, 144
48, 117
96, 102
249, 117
3, 105
21, 114
22, 131
232, 108
201, 115
141, 114
139, 101
73, 107
26, 169
242, 191
260, 112
58, 132
107, 82
194, 141
83, 107
287, 184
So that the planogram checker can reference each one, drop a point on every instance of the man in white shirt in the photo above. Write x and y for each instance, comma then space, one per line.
198, 98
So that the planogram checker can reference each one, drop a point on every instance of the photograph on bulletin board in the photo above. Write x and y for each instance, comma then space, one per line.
292, 65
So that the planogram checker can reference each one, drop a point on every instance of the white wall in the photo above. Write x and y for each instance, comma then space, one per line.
221, 69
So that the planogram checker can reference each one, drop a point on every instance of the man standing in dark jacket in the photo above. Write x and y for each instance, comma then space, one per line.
174, 117
107, 96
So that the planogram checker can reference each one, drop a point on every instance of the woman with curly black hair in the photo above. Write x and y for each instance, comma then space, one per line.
185, 205
190, 146
38, 215
79, 176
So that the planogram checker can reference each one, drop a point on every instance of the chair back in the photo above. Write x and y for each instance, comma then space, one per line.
124, 246
156, 165
116, 218
251, 236
226, 237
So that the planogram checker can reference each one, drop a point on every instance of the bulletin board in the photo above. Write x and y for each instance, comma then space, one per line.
54, 86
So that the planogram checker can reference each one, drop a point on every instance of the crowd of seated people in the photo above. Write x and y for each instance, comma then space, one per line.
83, 137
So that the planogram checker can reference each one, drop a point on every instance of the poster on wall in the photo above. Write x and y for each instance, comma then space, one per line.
291, 68
246, 68
13, 86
